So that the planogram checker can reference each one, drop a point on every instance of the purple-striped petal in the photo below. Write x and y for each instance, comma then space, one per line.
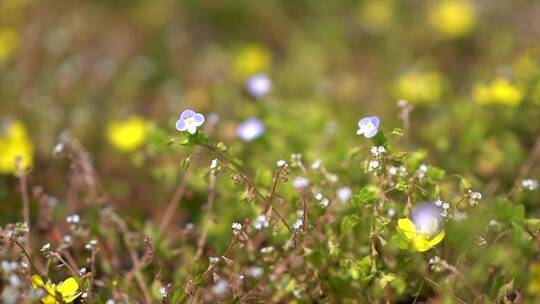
375, 121
187, 114
180, 125
199, 119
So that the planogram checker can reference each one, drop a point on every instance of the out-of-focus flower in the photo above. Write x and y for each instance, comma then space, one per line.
534, 282
16, 149
250, 129
236, 226
281, 163
300, 182
68, 290
298, 224
377, 15
258, 85
529, 184
500, 91
189, 121
368, 126
9, 41
452, 19
423, 230
374, 164
252, 59
420, 87
344, 194
127, 135
260, 222
220, 288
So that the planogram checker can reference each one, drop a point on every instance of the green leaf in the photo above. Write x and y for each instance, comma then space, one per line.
348, 222
365, 196
435, 174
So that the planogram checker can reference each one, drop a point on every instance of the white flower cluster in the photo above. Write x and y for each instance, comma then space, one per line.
73, 219
323, 201
300, 182
298, 224
373, 164
529, 184
163, 292
236, 227
46, 248
377, 150
474, 197
261, 222
444, 206
401, 170
422, 171
90, 245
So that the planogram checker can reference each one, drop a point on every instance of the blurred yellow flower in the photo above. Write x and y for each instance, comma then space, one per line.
377, 15
66, 292
452, 19
9, 41
16, 149
252, 59
127, 135
420, 87
415, 240
534, 283
500, 91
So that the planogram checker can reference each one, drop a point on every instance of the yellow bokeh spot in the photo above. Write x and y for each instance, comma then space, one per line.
420, 87
127, 135
66, 292
412, 239
500, 91
9, 41
377, 15
16, 149
252, 59
452, 19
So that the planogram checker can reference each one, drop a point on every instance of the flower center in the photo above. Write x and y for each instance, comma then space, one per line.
369, 126
190, 121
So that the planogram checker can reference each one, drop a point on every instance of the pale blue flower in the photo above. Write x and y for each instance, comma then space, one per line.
428, 219
368, 126
259, 85
250, 129
189, 121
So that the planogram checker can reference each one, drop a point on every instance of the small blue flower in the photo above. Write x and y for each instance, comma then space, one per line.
250, 129
189, 120
368, 126
428, 219
258, 85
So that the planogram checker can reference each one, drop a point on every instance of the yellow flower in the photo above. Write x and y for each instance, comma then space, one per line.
66, 292
127, 135
420, 87
252, 59
452, 19
500, 91
416, 239
16, 149
9, 41
377, 15
534, 283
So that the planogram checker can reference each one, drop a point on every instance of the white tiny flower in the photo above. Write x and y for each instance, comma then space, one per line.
260, 222
324, 202
333, 178
73, 219
318, 196
281, 163
300, 182
190, 226
298, 224
423, 168
444, 213
82, 271
46, 247
267, 249
84, 295
374, 164
220, 288
213, 164
391, 212
316, 164
438, 202
493, 223
529, 184
14, 280
213, 260
110, 301
236, 226
393, 170
256, 271
163, 292
402, 103
344, 194
445, 206
93, 242
68, 238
